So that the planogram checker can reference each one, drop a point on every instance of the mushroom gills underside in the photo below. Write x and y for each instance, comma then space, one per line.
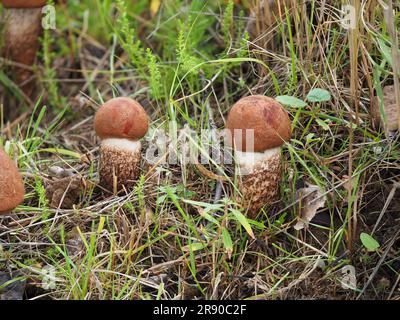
120, 161
260, 175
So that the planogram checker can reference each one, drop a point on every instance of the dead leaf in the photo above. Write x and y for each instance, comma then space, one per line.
258, 282
59, 172
311, 199
158, 279
64, 192
209, 174
154, 7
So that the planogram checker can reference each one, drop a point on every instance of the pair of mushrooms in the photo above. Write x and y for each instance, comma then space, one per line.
122, 122
22, 29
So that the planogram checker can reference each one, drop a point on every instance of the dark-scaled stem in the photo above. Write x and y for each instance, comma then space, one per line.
260, 174
119, 163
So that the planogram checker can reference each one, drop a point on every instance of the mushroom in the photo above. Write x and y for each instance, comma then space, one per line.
11, 186
120, 123
258, 156
21, 36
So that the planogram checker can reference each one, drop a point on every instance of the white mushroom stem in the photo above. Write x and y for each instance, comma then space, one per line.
259, 176
21, 39
119, 163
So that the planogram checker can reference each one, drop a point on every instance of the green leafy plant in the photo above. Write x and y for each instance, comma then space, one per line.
369, 242
155, 75
316, 95
291, 101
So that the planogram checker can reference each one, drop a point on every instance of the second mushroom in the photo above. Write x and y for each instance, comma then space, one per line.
120, 123
258, 155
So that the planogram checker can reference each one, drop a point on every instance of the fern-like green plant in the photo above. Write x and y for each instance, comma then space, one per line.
186, 61
227, 22
243, 50
155, 74
128, 39
42, 199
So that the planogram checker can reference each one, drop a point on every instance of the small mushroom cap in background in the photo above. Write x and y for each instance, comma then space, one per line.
11, 186
266, 116
24, 3
121, 118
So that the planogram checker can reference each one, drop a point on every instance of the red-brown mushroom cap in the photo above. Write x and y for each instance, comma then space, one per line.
11, 186
121, 118
24, 3
266, 116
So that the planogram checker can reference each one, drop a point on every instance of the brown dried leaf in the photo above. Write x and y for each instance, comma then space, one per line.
154, 7
64, 193
311, 199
